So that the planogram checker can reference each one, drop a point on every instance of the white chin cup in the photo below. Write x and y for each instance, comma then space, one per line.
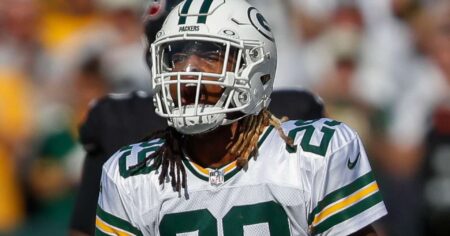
191, 125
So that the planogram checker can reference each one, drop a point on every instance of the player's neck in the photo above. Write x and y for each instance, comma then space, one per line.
211, 149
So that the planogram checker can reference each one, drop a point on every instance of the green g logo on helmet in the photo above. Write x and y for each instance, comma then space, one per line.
260, 23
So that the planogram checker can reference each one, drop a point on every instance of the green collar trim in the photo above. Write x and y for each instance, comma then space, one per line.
203, 173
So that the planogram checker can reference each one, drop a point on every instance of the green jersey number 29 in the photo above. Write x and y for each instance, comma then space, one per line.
203, 222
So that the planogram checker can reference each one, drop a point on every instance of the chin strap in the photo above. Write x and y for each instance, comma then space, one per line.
227, 121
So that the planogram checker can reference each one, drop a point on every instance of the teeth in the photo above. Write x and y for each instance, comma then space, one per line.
191, 85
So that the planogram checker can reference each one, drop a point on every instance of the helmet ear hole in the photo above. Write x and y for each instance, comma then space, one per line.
265, 78
240, 98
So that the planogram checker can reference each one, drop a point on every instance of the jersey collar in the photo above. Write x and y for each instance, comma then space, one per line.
228, 170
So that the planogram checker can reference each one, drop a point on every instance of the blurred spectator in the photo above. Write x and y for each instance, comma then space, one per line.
116, 37
310, 22
56, 171
64, 18
290, 72
89, 84
15, 109
430, 85
337, 87
99, 52
15, 130
124, 62
387, 49
19, 53
20, 45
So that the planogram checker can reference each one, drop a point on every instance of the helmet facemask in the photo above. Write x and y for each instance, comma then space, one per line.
198, 81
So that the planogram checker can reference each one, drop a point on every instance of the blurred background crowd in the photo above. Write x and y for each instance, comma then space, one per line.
382, 66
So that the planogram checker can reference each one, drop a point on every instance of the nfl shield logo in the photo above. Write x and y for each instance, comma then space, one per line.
216, 177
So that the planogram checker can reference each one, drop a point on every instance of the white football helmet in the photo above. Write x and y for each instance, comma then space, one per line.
213, 62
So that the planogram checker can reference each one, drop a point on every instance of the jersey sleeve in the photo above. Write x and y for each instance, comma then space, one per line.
114, 210
345, 196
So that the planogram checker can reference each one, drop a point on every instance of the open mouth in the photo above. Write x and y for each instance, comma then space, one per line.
188, 92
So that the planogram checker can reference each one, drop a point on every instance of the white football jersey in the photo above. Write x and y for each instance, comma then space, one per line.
323, 186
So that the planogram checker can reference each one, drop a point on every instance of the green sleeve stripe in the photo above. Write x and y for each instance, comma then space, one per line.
341, 193
184, 11
348, 213
265, 135
117, 222
204, 9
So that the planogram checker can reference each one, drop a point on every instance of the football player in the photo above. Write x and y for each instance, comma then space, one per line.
118, 120
225, 165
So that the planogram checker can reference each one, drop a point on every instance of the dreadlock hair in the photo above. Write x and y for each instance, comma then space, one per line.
249, 132
170, 155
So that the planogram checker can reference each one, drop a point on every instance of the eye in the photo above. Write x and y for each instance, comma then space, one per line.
211, 56
179, 57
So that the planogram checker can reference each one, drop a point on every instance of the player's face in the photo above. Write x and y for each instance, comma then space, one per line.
198, 56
